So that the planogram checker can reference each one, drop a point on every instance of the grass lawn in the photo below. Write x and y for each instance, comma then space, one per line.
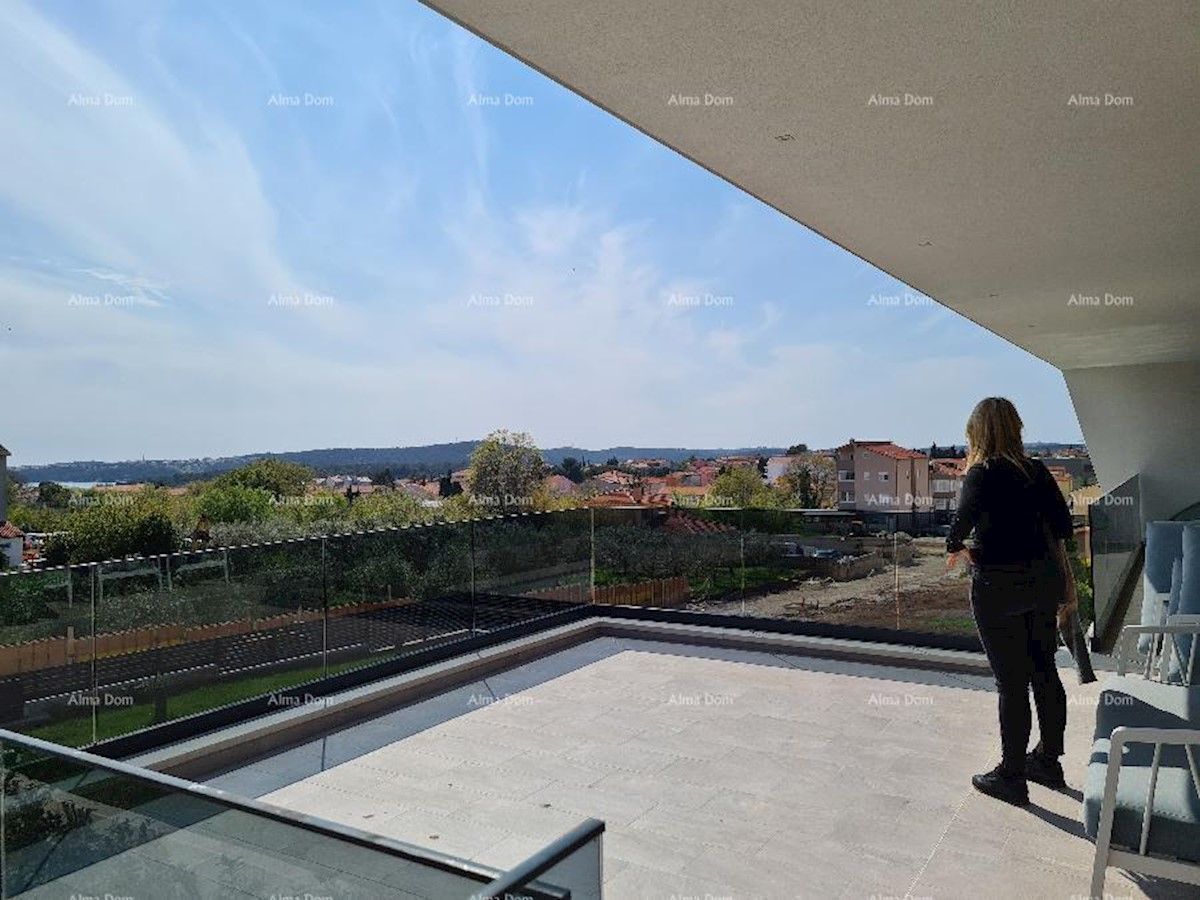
720, 582
947, 625
716, 582
115, 721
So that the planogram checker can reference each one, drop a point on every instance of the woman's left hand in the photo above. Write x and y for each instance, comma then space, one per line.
965, 553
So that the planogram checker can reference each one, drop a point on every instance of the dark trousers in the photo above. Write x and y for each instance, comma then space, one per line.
1020, 646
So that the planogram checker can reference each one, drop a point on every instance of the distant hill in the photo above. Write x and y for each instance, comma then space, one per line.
405, 462
1053, 447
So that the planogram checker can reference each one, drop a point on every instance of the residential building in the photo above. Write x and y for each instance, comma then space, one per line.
733, 461
616, 478
703, 471
418, 490
1063, 478
946, 481
647, 463
884, 483
12, 539
1076, 462
1083, 497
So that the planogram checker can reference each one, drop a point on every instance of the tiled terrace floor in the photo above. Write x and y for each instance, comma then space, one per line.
718, 773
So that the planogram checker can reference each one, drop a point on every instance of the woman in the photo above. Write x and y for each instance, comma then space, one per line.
1019, 588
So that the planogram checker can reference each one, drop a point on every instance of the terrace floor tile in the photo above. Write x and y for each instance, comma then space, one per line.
810, 778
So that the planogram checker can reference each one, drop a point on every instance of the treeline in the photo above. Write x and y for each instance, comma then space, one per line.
429, 461
269, 499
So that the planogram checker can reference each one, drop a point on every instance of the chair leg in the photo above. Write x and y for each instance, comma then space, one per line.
1099, 869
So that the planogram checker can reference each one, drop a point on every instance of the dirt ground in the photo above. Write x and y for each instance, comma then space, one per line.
930, 599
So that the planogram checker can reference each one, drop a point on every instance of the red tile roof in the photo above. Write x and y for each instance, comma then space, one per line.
890, 450
560, 484
687, 525
9, 530
948, 466
612, 476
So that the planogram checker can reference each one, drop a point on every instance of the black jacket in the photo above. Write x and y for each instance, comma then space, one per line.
1014, 514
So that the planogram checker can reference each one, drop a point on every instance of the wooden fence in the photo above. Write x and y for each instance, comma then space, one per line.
665, 593
61, 651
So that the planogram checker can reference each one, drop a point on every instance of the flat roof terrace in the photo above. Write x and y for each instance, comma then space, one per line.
718, 772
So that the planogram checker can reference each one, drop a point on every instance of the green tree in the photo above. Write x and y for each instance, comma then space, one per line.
112, 531
224, 502
388, 508
572, 468
738, 486
40, 518
809, 482
796, 486
447, 487
14, 487
53, 494
278, 478
506, 471
797, 449
383, 478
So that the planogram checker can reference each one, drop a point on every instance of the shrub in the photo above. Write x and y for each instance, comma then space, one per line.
112, 532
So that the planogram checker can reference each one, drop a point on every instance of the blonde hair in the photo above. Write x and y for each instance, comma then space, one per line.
994, 431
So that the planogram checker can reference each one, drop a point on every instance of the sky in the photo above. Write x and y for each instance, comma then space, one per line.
238, 227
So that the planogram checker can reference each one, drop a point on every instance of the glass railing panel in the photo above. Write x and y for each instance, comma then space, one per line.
1116, 535
791, 558
880, 568
397, 591
196, 631
931, 599
670, 558
46, 685
570, 868
531, 565
81, 826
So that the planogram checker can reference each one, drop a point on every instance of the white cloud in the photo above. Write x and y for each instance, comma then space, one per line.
588, 351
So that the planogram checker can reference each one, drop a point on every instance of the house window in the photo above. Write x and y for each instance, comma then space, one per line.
866, 476
847, 497
846, 475
883, 476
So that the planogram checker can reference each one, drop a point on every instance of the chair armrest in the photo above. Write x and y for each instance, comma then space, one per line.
1188, 625
1177, 624
1123, 735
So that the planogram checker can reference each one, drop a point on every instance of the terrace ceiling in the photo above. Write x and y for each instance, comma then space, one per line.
1000, 197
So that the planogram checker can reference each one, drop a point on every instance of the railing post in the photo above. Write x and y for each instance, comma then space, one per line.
94, 580
471, 564
324, 608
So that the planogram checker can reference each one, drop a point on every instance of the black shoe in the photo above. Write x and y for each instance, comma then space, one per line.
1045, 771
1003, 786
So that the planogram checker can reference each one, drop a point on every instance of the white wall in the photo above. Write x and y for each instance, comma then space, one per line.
1143, 420
10, 551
